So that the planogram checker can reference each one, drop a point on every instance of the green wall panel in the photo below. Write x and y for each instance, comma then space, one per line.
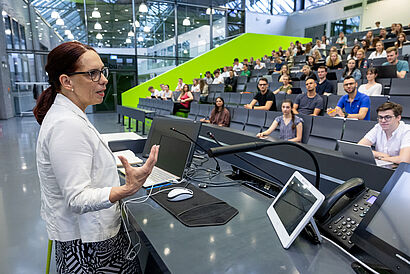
244, 46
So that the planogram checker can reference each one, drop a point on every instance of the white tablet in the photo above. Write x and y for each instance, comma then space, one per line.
293, 208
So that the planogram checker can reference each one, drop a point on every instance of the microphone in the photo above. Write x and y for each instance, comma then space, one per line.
218, 168
251, 146
212, 136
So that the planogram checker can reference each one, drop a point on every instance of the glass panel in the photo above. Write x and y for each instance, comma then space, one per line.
309, 4
261, 6
23, 37
7, 31
149, 68
16, 35
348, 25
219, 27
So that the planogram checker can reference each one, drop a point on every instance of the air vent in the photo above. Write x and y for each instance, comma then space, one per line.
355, 6
373, 1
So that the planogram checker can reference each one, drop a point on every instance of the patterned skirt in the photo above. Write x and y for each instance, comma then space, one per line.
107, 256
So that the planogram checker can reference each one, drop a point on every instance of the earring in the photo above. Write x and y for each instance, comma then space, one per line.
72, 89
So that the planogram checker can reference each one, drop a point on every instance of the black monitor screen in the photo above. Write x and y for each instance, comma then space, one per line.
293, 204
392, 221
173, 154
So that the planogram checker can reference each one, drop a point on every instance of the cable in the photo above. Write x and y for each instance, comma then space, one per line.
350, 255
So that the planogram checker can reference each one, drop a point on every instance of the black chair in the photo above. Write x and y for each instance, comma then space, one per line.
239, 118
279, 99
204, 110
240, 87
291, 97
256, 120
332, 100
252, 87
375, 102
270, 117
246, 98
274, 85
307, 126
211, 98
405, 102
356, 129
400, 87
216, 87
325, 131
325, 99
253, 79
300, 59
242, 80
275, 77
193, 111
334, 85
234, 99
196, 96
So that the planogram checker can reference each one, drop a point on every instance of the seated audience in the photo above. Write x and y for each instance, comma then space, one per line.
203, 89
401, 40
402, 65
334, 62
218, 79
369, 36
259, 65
342, 40
265, 58
307, 73
378, 26
245, 71
361, 60
374, 42
208, 78
154, 93
180, 85
309, 103
390, 136
352, 105
225, 73
283, 71
195, 86
237, 67
166, 94
324, 87
290, 125
317, 55
219, 115
309, 49
383, 34
365, 45
311, 62
371, 88
319, 45
231, 82
299, 50
325, 41
286, 88
184, 99
379, 52
289, 57
278, 64
333, 49
353, 53
351, 70
264, 97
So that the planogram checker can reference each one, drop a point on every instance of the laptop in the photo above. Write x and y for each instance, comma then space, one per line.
389, 71
172, 160
361, 153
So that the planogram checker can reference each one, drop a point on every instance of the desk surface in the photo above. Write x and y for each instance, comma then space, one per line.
246, 244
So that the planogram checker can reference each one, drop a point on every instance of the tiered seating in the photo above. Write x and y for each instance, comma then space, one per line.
355, 130
256, 120
239, 116
325, 132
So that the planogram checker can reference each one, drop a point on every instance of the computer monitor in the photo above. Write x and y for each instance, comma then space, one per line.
389, 71
384, 231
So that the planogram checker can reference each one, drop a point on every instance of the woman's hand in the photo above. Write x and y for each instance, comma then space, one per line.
135, 176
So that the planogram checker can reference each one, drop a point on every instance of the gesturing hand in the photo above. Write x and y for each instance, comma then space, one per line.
135, 176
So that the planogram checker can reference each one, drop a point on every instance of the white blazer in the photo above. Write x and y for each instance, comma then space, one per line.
77, 171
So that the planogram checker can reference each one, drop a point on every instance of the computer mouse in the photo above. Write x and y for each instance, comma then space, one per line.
180, 194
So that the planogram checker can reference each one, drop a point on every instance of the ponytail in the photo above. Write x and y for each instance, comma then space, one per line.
44, 103
293, 119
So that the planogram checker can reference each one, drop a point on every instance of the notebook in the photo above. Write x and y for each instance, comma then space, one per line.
129, 155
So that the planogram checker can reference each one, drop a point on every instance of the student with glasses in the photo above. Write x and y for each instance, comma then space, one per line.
391, 137
80, 187
264, 98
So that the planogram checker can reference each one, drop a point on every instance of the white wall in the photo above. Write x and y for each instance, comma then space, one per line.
265, 23
387, 12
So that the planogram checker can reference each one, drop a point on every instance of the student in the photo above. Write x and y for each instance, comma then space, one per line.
342, 40
237, 67
290, 125
332, 50
307, 73
317, 55
383, 34
402, 65
309, 49
166, 94
371, 88
195, 86
259, 65
231, 82
219, 115
283, 71
309, 103
319, 45
369, 36
334, 62
184, 99
278, 64
180, 85
311, 62
218, 78
245, 71
390, 136
324, 87
353, 53
361, 60
225, 73
289, 58
203, 89
286, 88
365, 45
351, 70
401, 40
325, 41
352, 105
208, 78
154, 93
80, 187
379, 52
264, 98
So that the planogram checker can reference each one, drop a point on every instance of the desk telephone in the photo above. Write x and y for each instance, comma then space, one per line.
344, 208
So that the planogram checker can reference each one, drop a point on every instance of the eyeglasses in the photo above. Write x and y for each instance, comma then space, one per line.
94, 74
387, 118
263, 85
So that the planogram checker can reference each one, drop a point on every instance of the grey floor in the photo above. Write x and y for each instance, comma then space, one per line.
23, 237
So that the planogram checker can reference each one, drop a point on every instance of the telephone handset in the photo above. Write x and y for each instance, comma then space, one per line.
343, 209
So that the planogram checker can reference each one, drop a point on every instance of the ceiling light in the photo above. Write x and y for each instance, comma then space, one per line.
108, 13
67, 32
96, 14
55, 14
186, 22
209, 10
99, 36
128, 41
97, 26
116, 19
60, 22
106, 22
70, 36
140, 39
8, 31
126, 10
147, 29
130, 34
143, 8
3, 13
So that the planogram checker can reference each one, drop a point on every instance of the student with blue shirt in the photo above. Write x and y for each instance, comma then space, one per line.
402, 66
352, 105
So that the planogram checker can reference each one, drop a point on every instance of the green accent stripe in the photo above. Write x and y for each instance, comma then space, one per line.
243, 46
